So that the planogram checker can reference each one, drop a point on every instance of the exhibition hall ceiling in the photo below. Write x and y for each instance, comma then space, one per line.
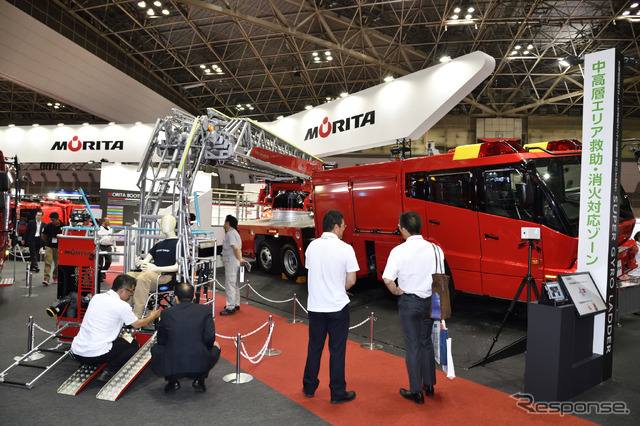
266, 58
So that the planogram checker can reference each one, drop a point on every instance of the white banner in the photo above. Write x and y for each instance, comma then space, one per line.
404, 108
598, 235
76, 144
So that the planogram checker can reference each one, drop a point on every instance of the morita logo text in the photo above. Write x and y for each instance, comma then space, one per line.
75, 144
331, 127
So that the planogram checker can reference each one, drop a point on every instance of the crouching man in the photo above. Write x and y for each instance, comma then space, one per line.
97, 341
186, 344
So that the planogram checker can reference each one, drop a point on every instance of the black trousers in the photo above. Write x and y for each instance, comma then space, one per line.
416, 328
104, 260
118, 356
215, 351
336, 325
34, 251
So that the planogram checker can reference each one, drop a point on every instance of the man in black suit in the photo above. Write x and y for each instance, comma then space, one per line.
33, 239
186, 344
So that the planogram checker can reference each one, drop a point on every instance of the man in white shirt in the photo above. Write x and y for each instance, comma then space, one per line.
232, 260
412, 264
97, 341
332, 269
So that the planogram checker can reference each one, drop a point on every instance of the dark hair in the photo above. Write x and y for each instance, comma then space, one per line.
637, 236
331, 219
411, 221
123, 281
54, 215
233, 222
184, 292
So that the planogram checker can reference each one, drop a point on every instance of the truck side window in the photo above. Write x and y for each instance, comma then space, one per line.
500, 194
415, 186
453, 190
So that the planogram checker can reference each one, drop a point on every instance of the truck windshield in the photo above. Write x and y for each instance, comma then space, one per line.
561, 176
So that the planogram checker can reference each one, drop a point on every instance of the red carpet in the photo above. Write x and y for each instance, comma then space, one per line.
376, 377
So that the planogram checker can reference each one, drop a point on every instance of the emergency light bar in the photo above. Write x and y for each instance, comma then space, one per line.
559, 145
486, 149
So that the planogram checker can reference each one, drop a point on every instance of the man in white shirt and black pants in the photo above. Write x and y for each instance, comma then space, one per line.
332, 269
412, 263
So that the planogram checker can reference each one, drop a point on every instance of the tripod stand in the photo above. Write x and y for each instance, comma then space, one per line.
519, 345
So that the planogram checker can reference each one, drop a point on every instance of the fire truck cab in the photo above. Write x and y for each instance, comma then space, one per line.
473, 201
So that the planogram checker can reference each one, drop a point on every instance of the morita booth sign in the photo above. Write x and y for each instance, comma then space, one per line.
76, 144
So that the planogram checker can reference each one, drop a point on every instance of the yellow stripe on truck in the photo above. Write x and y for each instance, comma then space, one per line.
542, 145
466, 152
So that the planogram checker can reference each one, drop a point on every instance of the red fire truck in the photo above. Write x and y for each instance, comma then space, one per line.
6, 225
469, 206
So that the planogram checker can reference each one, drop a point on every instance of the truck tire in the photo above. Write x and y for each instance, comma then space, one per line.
291, 265
269, 256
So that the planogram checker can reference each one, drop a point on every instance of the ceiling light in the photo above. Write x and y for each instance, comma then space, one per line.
239, 106
150, 12
85, 124
165, 12
388, 78
328, 98
344, 94
142, 4
315, 53
467, 16
56, 106
207, 70
625, 13
248, 105
445, 58
35, 124
60, 124
219, 71
308, 107
329, 58
12, 125
57, 103
471, 10
570, 61
251, 108
327, 53
214, 66
634, 5
526, 52
454, 17
203, 66
157, 3
518, 47
530, 47
49, 104
112, 123
457, 10
515, 52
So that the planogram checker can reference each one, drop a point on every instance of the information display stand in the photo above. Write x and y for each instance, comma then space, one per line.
560, 362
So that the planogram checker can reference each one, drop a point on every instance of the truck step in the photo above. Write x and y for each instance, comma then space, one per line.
127, 374
78, 380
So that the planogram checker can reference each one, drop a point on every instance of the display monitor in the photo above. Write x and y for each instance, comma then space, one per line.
583, 293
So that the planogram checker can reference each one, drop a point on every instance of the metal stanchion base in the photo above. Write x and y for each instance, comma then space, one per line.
238, 378
33, 357
29, 295
371, 346
272, 352
294, 321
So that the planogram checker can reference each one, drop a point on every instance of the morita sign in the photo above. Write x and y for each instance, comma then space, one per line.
404, 108
76, 144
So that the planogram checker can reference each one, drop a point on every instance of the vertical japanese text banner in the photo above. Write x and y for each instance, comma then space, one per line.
600, 190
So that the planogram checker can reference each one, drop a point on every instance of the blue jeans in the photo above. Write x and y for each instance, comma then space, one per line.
416, 328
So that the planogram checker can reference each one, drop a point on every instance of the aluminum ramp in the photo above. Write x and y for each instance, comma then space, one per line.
127, 374
78, 380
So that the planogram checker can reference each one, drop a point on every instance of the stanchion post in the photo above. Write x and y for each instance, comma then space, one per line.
371, 346
246, 297
238, 377
269, 351
29, 285
294, 320
36, 355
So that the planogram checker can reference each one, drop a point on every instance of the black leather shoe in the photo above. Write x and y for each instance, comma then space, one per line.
428, 390
105, 376
418, 398
237, 308
172, 386
198, 385
228, 312
349, 396
307, 394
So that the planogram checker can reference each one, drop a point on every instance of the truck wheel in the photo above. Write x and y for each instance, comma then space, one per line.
291, 262
269, 257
